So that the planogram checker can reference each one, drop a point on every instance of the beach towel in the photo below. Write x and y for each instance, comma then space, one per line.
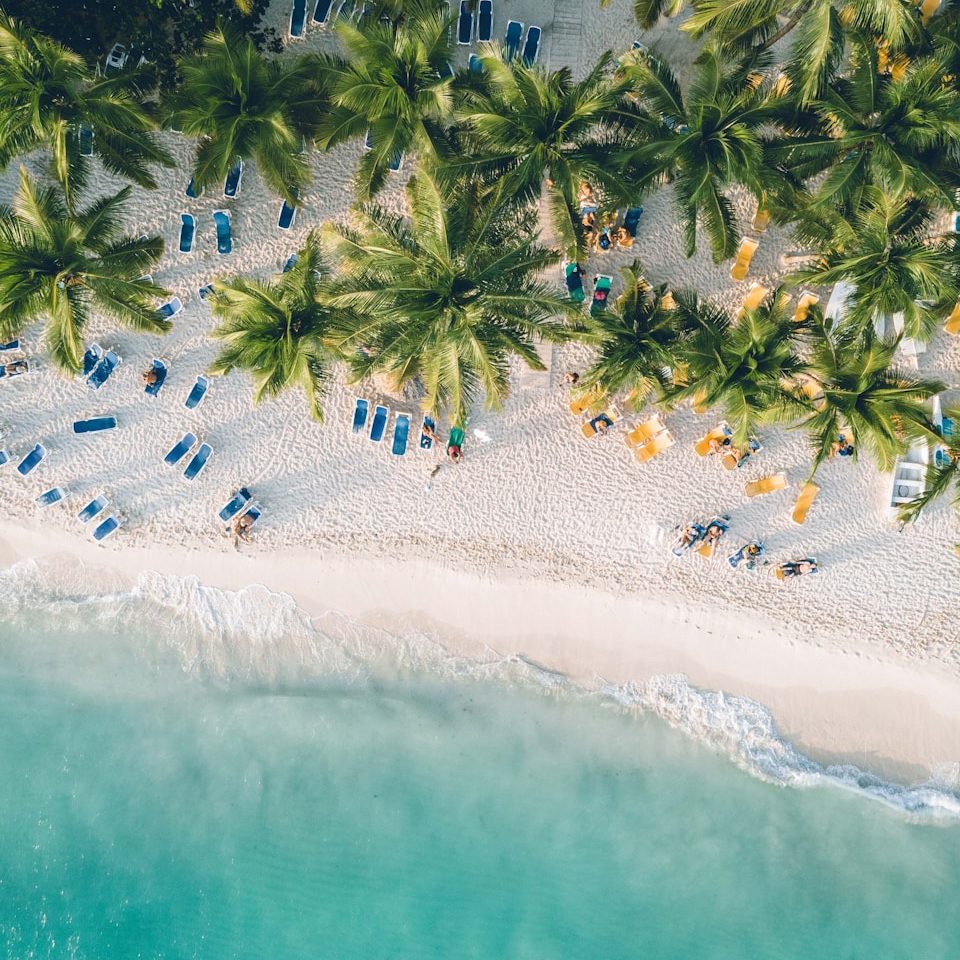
95, 425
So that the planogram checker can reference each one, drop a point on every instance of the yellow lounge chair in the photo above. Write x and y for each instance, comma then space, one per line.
761, 221
654, 447
702, 446
586, 400
952, 326
645, 431
755, 296
768, 484
899, 66
745, 252
806, 301
611, 413
700, 403
807, 495
927, 9
667, 301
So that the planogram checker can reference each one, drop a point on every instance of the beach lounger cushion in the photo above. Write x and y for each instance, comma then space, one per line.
97, 505
511, 39
179, 450
485, 21
741, 264
465, 23
188, 228
654, 447
360, 412
807, 495
196, 395
30, 462
94, 425
234, 505
768, 484
50, 497
231, 185
379, 425
531, 46
198, 462
106, 528
221, 220
103, 370
401, 432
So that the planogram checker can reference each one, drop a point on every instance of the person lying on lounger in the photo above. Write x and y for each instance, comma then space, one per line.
428, 431
841, 447
622, 238
242, 525
604, 241
718, 446
149, 377
601, 424
797, 568
689, 535
713, 534
16, 367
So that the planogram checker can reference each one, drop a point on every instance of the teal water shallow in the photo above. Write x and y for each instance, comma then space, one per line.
153, 812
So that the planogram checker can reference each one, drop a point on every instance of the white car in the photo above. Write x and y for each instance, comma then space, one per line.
117, 57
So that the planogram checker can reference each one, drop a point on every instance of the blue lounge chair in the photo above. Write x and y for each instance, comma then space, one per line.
196, 395
204, 292
475, 64
198, 462
171, 308
224, 238
290, 263
180, 449
160, 369
234, 505
94, 425
401, 431
9, 347
346, 9
426, 441
29, 463
91, 358
531, 47
106, 529
511, 40
465, 24
254, 511
360, 412
298, 19
101, 373
4, 457
631, 219
97, 505
188, 228
231, 186
485, 21
396, 162
49, 497
321, 12
192, 192
287, 215
86, 140
16, 369
379, 426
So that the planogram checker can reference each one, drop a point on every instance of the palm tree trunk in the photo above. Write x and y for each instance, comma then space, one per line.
787, 27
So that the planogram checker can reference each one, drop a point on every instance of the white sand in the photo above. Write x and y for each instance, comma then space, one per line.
533, 504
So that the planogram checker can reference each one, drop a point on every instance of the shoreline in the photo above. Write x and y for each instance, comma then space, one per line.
894, 718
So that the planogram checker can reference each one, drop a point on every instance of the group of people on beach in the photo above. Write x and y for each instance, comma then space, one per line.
604, 235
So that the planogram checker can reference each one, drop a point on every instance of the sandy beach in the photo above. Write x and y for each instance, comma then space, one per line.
541, 543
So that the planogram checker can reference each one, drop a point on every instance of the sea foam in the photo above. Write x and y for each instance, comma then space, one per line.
262, 639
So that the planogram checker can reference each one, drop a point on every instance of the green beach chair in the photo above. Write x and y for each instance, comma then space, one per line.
571, 272
601, 293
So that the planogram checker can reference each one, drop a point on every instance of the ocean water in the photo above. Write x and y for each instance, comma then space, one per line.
191, 774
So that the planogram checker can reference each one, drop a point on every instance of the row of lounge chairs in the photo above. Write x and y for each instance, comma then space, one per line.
378, 426
325, 12
180, 450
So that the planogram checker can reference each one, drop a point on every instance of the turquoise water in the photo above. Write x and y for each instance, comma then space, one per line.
155, 807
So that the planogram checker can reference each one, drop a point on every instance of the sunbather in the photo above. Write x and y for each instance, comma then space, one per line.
721, 444
572, 377
689, 535
428, 431
15, 367
622, 238
150, 376
585, 193
601, 424
841, 447
242, 525
797, 568
713, 534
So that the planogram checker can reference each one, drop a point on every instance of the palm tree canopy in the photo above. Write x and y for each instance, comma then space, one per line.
869, 128
47, 92
885, 250
819, 30
280, 331
639, 340
706, 140
448, 295
749, 368
942, 474
395, 83
522, 124
61, 266
243, 105
862, 395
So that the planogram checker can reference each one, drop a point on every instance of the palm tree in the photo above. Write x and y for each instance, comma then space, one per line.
243, 105
706, 141
63, 265
819, 28
885, 250
869, 128
749, 368
861, 395
447, 296
395, 83
47, 93
524, 124
639, 341
280, 331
